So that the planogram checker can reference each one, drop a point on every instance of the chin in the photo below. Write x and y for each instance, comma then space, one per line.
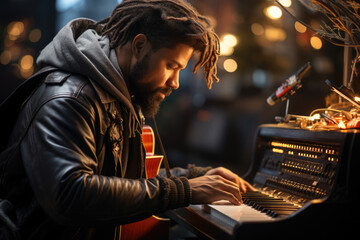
149, 104
150, 110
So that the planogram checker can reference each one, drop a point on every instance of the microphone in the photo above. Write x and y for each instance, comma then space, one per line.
290, 85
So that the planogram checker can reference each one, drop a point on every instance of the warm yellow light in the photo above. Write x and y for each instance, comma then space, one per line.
230, 65
225, 50
285, 3
257, 29
315, 42
35, 35
273, 12
357, 99
299, 27
230, 40
341, 124
26, 62
277, 150
275, 34
315, 116
14, 30
227, 44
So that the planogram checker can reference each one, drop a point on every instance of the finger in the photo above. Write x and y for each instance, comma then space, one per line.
227, 181
230, 197
242, 186
249, 186
224, 173
241, 183
230, 177
231, 188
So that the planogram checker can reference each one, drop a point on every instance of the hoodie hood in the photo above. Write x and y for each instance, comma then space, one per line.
78, 49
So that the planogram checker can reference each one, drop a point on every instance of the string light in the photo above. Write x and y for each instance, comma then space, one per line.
230, 40
299, 27
230, 65
273, 12
15, 29
275, 34
285, 3
225, 50
35, 35
227, 44
315, 42
26, 62
257, 29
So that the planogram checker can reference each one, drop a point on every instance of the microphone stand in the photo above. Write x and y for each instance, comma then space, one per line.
286, 117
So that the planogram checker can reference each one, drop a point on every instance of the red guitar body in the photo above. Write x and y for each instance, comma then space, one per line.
152, 227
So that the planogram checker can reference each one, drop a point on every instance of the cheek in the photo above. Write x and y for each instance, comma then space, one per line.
157, 77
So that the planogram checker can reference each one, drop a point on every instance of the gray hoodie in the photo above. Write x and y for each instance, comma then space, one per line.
88, 54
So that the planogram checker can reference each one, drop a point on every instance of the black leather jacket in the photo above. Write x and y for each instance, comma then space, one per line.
71, 169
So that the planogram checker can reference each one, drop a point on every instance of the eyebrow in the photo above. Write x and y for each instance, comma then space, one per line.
177, 63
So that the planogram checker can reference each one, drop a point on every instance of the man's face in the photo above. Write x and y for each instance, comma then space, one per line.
153, 77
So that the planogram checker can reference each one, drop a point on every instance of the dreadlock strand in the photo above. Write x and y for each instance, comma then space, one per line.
176, 15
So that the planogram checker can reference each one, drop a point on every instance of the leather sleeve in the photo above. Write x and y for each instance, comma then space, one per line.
59, 155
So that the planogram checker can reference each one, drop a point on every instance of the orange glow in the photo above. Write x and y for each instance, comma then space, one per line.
341, 124
257, 29
273, 12
230, 40
315, 42
285, 3
277, 150
275, 34
230, 65
15, 29
225, 50
35, 35
299, 27
26, 62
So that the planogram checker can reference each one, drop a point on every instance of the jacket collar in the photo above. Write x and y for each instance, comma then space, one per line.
104, 96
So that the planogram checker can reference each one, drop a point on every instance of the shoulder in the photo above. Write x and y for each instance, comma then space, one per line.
65, 84
60, 87
61, 84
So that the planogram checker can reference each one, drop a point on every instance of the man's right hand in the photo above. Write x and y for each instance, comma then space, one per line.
211, 188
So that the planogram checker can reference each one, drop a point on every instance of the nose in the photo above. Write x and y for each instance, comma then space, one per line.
173, 80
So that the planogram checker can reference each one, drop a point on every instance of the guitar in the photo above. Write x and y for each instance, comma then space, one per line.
153, 227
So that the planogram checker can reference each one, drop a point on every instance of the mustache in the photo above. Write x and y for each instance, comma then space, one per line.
165, 90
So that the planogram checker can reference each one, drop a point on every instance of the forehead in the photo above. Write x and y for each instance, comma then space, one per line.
180, 53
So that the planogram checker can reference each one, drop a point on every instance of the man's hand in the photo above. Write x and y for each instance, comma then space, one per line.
218, 184
229, 175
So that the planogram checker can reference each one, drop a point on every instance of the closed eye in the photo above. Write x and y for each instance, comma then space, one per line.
172, 66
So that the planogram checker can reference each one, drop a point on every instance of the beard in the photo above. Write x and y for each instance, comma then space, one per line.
148, 100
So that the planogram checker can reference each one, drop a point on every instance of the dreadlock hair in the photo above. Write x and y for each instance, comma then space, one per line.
165, 23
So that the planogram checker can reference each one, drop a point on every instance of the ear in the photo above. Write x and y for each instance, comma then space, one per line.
139, 45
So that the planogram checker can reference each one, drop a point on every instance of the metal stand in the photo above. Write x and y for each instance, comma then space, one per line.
285, 118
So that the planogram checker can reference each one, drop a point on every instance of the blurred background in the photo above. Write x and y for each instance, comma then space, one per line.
261, 46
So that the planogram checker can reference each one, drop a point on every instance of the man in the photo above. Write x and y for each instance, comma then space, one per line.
74, 165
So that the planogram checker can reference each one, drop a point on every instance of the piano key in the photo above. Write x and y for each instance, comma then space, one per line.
268, 204
241, 213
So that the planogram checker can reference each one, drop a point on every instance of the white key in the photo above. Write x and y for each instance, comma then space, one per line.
242, 213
